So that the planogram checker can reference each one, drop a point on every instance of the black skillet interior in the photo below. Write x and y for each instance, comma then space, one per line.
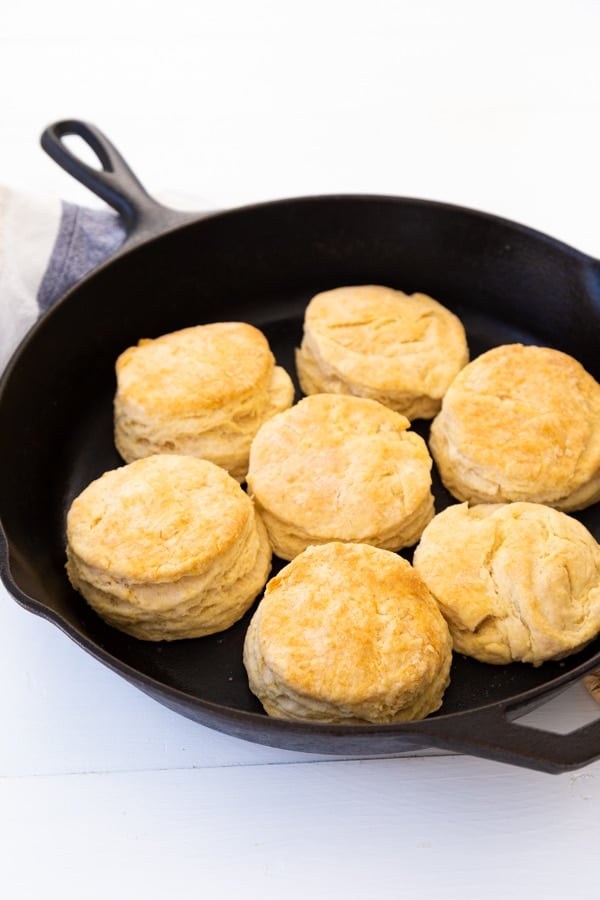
261, 264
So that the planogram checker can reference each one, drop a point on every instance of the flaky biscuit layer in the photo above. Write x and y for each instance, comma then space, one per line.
516, 582
337, 467
167, 547
375, 342
202, 391
348, 633
521, 423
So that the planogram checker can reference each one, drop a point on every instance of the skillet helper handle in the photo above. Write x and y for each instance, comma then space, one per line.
114, 182
494, 734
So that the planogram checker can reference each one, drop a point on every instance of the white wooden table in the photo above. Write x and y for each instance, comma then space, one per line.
105, 793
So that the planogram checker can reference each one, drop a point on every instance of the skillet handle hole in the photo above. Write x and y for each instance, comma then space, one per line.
565, 713
82, 151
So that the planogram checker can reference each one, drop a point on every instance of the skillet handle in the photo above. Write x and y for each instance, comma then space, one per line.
493, 733
114, 182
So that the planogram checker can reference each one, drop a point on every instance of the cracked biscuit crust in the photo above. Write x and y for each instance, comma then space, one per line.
521, 423
348, 633
516, 582
340, 468
376, 342
167, 547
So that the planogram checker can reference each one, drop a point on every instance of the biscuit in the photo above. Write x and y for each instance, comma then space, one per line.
202, 391
348, 633
340, 468
516, 582
167, 547
376, 342
521, 423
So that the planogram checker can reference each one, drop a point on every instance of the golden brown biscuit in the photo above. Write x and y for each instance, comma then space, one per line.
516, 582
376, 342
167, 547
202, 391
340, 468
521, 423
592, 683
348, 633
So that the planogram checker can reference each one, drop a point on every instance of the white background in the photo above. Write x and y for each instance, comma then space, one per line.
494, 106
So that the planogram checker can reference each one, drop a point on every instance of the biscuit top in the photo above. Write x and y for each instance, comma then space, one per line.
515, 581
345, 622
384, 338
195, 369
158, 518
339, 466
528, 415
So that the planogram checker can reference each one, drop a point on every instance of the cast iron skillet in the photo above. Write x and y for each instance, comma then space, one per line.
261, 264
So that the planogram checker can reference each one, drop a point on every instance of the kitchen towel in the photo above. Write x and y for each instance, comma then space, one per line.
46, 246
